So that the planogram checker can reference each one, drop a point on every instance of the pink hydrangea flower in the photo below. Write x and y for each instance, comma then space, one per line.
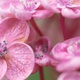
69, 76
42, 51
68, 8
67, 55
16, 57
23, 9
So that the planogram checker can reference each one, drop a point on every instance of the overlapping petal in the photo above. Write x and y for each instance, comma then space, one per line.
67, 55
69, 65
23, 9
42, 51
40, 14
13, 29
70, 76
71, 13
68, 8
3, 68
20, 61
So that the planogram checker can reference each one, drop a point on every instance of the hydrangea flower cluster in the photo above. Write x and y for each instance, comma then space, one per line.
25, 49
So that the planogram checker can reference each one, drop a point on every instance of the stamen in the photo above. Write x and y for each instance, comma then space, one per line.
65, 2
5, 42
35, 2
3, 48
23, 2
30, 5
45, 48
38, 56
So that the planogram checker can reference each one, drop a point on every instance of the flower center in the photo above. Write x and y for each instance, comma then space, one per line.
41, 49
30, 4
39, 56
3, 48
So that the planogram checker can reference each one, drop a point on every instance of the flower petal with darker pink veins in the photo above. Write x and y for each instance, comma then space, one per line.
20, 61
13, 29
3, 68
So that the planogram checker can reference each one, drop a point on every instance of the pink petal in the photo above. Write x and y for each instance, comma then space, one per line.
43, 60
4, 4
69, 65
3, 68
71, 13
45, 3
5, 13
70, 76
66, 49
67, 54
40, 14
20, 14
14, 30
50, 5
20, 61
59, 52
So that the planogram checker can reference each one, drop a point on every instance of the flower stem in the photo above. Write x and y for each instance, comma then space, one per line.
63, 27
36, 27
41, 73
